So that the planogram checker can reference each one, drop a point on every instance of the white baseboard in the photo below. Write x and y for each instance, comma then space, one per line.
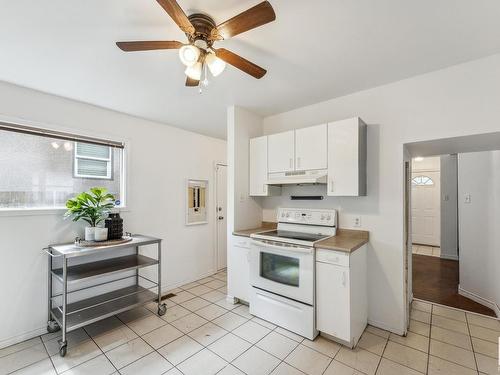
477, 298
169, 287
22, 337
448, 256
384, 326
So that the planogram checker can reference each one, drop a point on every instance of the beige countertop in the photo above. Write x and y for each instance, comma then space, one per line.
346, 240
247, 232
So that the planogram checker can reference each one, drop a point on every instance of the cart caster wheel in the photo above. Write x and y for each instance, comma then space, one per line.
162, 309
52, 326
63, 348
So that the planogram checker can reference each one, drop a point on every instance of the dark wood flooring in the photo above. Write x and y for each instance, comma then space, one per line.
436, 280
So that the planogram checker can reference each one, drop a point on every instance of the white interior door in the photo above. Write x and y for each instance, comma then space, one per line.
426, 206
221, 216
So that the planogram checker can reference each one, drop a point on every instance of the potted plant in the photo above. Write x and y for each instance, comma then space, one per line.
91, 207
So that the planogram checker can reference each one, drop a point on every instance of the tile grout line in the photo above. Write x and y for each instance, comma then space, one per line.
19, 350
34, 363
381, 354
102, 351
471, 343
429, 344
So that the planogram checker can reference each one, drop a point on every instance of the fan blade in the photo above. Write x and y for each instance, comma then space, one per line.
240, 63
148, 45
177, 14
251, 18
192, 82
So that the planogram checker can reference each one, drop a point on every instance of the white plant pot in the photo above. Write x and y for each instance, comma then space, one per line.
89, 233
101, 234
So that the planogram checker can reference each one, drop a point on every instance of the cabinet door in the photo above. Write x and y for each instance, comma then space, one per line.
281, 152
332, 300
347, 158
310, 148
238, 273
258, 166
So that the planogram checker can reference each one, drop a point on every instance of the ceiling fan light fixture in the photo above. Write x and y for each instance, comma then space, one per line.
194, 71
215, 64
189, 54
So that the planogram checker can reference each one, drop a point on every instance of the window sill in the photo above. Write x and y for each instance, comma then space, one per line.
10, 212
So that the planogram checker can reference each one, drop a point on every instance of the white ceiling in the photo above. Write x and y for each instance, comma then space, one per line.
315, 50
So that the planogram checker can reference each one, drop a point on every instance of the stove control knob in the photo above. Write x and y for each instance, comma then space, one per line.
287, 214
328, 217
322, 217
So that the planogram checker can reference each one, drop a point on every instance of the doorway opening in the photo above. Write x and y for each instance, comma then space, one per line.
453, 249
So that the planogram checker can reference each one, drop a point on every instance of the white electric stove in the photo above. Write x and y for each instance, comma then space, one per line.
282, 268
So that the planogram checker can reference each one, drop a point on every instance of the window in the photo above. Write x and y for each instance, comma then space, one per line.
43, 169
422, 181
93, 161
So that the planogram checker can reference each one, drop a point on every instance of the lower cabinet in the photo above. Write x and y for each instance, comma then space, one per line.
341, 296
238, 274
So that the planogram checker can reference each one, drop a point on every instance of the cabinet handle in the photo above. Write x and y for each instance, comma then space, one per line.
298, 162
331, 186
263, 188
343, 279
291, 163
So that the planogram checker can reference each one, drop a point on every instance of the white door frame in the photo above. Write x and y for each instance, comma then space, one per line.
407, 230
216, 217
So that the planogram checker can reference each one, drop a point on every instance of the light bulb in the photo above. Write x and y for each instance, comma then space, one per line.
215, 64
189, 54
68, 146
194, 72
55, 145
419, 158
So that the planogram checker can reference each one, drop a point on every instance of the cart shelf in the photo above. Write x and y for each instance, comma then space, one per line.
91, 270
103, 306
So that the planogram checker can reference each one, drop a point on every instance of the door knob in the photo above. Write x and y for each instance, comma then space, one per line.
221, 217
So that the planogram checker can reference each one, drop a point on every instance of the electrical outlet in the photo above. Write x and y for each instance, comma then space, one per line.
468, 198
357, 221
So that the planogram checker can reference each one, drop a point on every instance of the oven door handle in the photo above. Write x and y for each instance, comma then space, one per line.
299, 249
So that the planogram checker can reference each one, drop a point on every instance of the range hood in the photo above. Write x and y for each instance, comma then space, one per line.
318, 176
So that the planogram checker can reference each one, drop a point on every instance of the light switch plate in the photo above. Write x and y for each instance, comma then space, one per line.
468, 198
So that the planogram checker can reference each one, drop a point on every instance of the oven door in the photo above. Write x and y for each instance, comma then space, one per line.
284, 270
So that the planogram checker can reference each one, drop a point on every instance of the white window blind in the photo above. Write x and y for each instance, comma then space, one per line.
93, 161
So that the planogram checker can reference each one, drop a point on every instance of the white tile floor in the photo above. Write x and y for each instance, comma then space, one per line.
432, 251
203, 334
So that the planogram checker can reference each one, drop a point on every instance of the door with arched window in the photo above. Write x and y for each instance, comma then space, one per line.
426, 217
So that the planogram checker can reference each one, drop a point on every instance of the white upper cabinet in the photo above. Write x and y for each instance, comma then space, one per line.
311, 148
281, 152
258, 166
347, 158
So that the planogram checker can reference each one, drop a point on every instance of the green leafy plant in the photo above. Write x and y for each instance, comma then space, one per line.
91, 206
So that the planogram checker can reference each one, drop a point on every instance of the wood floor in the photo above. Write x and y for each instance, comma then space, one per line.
436, 280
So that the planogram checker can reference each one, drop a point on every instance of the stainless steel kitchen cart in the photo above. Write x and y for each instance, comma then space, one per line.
70, 272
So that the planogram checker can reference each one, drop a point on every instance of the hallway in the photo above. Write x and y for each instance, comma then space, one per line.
436, 280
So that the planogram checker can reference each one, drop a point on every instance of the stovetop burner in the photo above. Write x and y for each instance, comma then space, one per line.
290, 235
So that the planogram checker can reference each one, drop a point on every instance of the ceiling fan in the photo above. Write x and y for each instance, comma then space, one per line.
199, 55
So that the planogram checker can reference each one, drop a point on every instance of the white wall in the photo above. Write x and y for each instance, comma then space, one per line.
431, 164
160, 159
479, 177
243, 211
449, 209
457, 101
